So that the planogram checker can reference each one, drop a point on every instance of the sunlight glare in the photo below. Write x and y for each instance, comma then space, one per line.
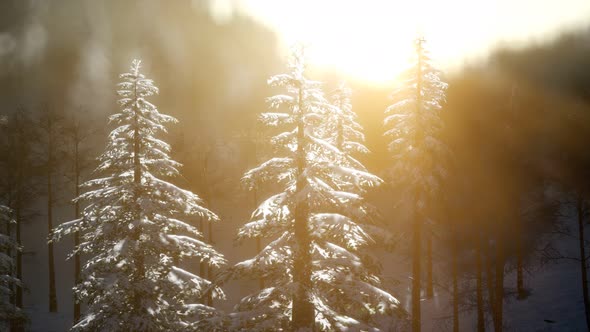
345, 36
370, 40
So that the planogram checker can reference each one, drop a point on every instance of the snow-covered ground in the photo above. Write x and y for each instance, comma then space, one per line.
555, 288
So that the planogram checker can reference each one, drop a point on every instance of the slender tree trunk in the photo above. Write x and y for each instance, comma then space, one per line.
77, 265
521, 294
21, 156
18, 325
416, 272
8, 250
583, 267
139, 259
258, 242
479, 292
417, 238
339, 132
519, 273
429, 277
51, 259
499, 289
207, 197
258, 249
50, 253
490, 279
202, 266
455, 271
205, 270
18, 217
11, 323
303, 313
210, 268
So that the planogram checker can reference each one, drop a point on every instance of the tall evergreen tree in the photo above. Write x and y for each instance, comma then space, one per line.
344, 131
11, 315
50, 125
136, 228
9, 312
18, 167
313, 277
78, 132
414, 124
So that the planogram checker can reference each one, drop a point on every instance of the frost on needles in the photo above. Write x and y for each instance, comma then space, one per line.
311, 266
137, 228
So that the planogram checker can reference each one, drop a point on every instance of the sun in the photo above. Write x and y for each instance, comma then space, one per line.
360, 39
371, 40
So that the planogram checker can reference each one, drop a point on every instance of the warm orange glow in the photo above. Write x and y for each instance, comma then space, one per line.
371, 39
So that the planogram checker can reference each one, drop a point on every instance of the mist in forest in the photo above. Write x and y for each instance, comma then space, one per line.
509, 216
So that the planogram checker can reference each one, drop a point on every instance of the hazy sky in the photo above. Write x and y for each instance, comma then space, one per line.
370, 39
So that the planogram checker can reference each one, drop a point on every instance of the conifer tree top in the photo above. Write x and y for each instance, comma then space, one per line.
137, 228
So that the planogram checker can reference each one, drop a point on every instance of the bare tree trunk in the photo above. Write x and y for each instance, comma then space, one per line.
521, 293
429, 277
490, 282
583, 267
416, 272
207, 270
77, 265
499, 289
258, 249
520, 273
8, 250
258, 242
210, 268
417, 238
303, 313
12, 322
455, 271
18, 326
21, 155
202, 266
480, 305
204, 269
50, 253
51, 259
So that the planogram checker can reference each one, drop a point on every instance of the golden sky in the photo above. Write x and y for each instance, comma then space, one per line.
371, 39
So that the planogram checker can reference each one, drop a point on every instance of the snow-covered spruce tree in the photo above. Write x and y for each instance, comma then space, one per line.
9, 312
19, 188
313, 277
135, 228
343, 130
414, 123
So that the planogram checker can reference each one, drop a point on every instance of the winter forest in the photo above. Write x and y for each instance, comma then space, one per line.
257, 165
